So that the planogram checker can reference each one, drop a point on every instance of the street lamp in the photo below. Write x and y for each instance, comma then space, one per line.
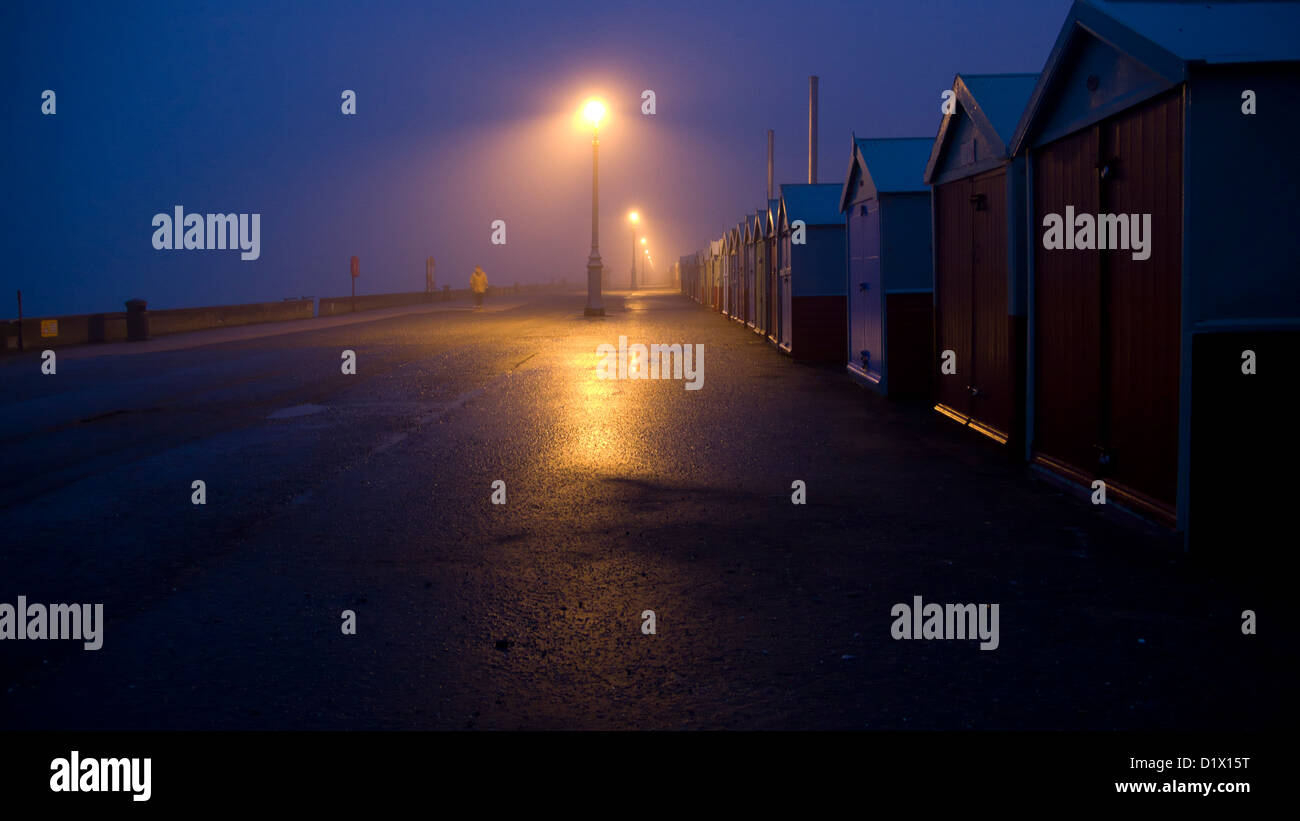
635, 218
642, 264
593, 111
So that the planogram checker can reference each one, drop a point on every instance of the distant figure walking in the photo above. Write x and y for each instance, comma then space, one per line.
478, 284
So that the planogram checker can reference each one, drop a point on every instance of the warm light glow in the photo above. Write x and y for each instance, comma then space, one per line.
634, 216
596, 427
594, 112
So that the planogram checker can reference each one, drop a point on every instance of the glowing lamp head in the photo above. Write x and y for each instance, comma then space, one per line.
634, 216
643, 240
593, 112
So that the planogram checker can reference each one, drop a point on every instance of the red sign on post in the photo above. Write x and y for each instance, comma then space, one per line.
356, 267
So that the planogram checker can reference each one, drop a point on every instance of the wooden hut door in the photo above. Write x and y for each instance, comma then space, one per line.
737, 278
773, 277
751, 270
952, 209
1067, 311
733, 277
992, 361
1141, 169
746, 268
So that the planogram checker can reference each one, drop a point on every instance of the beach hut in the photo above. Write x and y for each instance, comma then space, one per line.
724, 307
720, 278
782, 278
688, 275
979, 256
742, 253
734, 266
717, 280
771, 279
719, 272
749, 266
701, 274
1163, 261
709, 277
706, 274
742, 259
702, 282
890, 268
758, 252
812, 251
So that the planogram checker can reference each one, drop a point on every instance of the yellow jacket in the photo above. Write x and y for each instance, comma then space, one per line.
478, 281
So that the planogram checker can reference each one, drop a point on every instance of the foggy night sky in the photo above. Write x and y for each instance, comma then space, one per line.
465, 114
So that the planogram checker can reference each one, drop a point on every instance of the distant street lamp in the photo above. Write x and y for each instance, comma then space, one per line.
635, 218
594, 110
642, 266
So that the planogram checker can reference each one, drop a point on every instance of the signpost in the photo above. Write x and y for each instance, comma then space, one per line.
428, 275
356, 271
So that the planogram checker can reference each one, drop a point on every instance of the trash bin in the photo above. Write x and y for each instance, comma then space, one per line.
137, 320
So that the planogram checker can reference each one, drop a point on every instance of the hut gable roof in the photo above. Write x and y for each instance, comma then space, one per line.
1157, 41
888, 166
1239, 32
990, 105
815, 204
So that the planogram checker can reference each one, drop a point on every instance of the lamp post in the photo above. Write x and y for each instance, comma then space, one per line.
635, 218
594, 111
